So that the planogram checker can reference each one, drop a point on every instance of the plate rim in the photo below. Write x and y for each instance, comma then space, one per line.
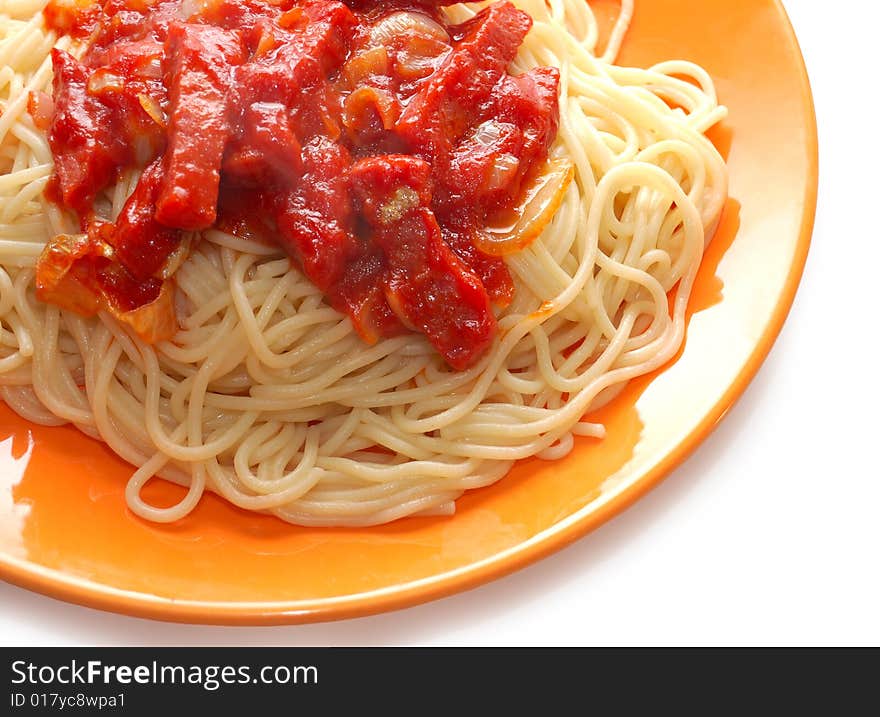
68, 588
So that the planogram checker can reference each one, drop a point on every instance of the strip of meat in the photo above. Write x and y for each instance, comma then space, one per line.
441, 124
490, 166
531, 101
493, 272
199, 67
426, 285
266, 148
315, 224
245, 114
301, 58
130, 86
315, 218
141, 244
361, 294
86, 151
459, 93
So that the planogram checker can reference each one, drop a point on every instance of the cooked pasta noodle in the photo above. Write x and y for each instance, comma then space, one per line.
268, 397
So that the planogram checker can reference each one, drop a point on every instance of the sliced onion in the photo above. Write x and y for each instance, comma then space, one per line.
386, 107
420, 57
54, 280
143, 147
421, 43
178, 256
397, 307
291, 19
41, 107
512, 230
58, 256
156, 321
406, 24
71, 295
188, 8
104, 81
152, 108
57, 283
504, 170
151, 69
487, 134
416, 67
372, 62
266, 44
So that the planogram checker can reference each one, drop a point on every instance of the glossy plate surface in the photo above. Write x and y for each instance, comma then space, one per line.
65, 530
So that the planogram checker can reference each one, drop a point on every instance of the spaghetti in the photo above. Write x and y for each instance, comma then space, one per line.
269, 397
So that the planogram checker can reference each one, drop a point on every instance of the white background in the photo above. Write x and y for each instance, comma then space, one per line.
768, 534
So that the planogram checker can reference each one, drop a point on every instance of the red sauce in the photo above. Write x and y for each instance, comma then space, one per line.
72, 17
370, 140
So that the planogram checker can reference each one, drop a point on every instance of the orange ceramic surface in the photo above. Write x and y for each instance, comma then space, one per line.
65, 529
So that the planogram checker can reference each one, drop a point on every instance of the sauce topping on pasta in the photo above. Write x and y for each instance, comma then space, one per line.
372, 141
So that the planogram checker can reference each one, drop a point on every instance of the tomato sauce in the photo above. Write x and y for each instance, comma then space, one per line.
369, 139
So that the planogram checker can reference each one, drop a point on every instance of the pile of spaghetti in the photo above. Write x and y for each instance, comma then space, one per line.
406, 247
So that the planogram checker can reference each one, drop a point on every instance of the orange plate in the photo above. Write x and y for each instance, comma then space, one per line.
65, 530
